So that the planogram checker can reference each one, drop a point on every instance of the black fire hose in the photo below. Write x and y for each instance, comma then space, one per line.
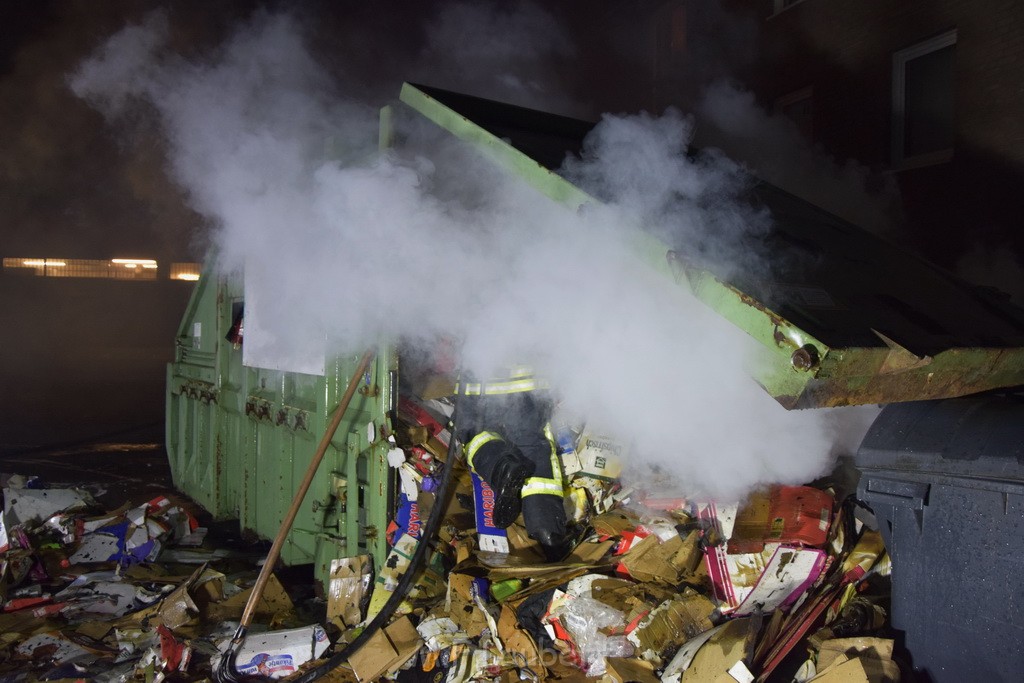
427, 537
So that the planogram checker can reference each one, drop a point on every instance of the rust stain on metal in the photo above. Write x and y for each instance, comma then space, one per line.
218, 464
778, 321
805, 358
780, 338
258, 410
878, 389
199, 391
371, 391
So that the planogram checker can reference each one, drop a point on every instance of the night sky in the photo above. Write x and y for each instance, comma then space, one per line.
85, 357
72, 186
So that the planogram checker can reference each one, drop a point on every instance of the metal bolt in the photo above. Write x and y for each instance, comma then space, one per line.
805, 358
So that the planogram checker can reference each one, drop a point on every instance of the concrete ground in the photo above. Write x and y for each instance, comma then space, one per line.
114, 472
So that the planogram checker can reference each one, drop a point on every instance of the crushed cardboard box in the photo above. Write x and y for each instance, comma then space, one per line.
96, 595
349, 589
386, 651
659, 587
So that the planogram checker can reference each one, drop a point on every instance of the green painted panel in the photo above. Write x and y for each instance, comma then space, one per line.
240, 439
858, 284
492, 146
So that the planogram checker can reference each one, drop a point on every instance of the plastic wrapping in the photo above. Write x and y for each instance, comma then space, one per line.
584, 618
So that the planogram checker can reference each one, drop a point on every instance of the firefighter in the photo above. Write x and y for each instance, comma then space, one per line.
509, 444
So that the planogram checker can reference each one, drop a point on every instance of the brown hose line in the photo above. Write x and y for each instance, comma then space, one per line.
300, 494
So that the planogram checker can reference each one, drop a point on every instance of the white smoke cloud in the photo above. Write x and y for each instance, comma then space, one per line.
994, 266
499, 51
432, 238
775, 149
640, 164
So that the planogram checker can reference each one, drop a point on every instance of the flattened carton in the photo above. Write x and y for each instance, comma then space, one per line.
280, 653
386, 650
489, 537
760, 582
600, 457
790, 515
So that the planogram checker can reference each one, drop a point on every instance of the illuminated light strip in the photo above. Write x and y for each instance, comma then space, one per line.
35, 263
133, 261
187, 276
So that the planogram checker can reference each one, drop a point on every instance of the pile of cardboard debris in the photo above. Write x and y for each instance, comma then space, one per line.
130, 594
788, 585
659, 588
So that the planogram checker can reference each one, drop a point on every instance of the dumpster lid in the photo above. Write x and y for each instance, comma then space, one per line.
856, 321
977, 437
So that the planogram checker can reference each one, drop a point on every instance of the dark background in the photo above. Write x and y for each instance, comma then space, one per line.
82, 358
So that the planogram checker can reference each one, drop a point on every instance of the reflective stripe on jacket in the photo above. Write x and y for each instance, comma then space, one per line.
478, 442
552, 486
544, 485
518, 379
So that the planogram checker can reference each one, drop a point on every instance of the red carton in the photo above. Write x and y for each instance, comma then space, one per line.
790, 515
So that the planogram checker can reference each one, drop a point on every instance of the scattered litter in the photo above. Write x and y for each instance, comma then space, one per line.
760, 582
349, 590
582, 623
387, 650
54, 647
33, 506
788, 585
277, 654
658, 588
83, 596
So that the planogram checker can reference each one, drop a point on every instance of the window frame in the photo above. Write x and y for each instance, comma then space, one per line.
900, 161
792, 97
780, 6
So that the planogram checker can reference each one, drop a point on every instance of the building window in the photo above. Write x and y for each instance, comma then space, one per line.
186, 271
112, 269
922, 102
798, 107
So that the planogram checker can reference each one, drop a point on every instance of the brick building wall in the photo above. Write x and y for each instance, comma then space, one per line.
843, 52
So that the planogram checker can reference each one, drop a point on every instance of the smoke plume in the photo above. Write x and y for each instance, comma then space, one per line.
496, 51
775, 149
433, 239
994, 266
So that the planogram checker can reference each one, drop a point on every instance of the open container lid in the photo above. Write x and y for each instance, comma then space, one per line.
861, 321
